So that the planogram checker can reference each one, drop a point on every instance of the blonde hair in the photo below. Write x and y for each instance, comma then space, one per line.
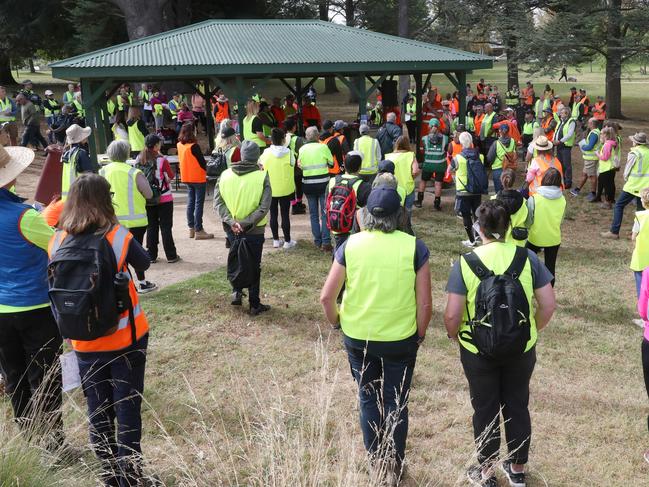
644, 196
252, 108
608, 133
402, 144
133, 112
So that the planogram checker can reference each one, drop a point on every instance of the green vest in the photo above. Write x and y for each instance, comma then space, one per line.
158, 109
591, 155
144, 96
468, 123
501, 150
403, 169
56, 109
485, 128
518, 219
640, 257
280, 173
135, 138
411, 108
79, 107
369, 147
379, 303
571, 141
528, 127
606, 165
435, 153
497, 257
129, 203
639, 176
575, 110
69, 172
242, 194
313, 159
173, 109
6, 105
248, 134
68, 96
461, 173
548, 215
120, 103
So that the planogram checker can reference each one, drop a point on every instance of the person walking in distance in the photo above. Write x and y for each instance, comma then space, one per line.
433, 149
563, 140
31, 117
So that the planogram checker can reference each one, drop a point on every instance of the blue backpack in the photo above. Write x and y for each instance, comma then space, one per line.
477, 181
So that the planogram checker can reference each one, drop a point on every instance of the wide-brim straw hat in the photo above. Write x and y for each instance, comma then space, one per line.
639, 138
76, 134
222, 99
13, 161
542, 143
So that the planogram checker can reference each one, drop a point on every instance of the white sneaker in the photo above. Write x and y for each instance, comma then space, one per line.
638, 322
277, 243
290, 244
468, 243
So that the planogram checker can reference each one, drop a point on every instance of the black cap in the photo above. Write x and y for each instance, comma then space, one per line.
227, 132
151, 140
386, 166
383, 201
327, 124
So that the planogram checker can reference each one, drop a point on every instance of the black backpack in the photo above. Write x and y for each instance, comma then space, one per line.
513, 200
477, 181
149, 171
242, 271
216, 164
81, 277
501, 325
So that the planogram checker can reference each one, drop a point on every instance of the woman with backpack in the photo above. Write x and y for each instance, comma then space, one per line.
159, 208
547, 207
111, 366
516, 205
228, 144
498, 364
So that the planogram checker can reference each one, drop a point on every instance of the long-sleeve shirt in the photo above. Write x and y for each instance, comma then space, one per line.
30, 114
643, 302
630, 162
607, 149
590, 142
565, 130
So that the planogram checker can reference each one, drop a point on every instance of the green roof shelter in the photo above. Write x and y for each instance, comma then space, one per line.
243, 53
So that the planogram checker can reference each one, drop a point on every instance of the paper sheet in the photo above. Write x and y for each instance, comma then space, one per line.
70, 371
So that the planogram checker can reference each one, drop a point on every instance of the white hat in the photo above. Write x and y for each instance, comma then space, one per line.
13, 161
76, 133
542, 143
222, 99
48, 92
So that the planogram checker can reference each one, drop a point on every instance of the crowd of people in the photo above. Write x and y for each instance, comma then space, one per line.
360, 191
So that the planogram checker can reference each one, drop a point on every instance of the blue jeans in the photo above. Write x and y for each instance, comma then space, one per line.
495, 176
195, 201
383, 372
113, 383
618, 210
410, 200
318, 216
638, 282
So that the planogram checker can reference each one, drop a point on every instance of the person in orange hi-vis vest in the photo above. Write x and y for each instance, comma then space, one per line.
599, 110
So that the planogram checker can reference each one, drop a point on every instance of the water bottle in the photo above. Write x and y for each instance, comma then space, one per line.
122, 296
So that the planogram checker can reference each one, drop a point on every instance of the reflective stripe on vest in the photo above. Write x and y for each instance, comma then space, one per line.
248, 134
548, 215
313, 159
411, 108
561, 127
69, 171
591, 155
485, 126
135, 137
403, 169
6, 105
640, 257
497, 257
129, 203
434, 153
242, 194
379, 302
544, 164
369, 147
638, 178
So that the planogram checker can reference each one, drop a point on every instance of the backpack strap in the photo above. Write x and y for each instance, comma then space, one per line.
477, 267
515, 269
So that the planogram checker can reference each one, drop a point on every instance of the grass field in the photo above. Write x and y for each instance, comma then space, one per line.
269, 401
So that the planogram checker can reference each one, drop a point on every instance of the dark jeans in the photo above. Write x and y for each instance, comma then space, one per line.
467, 205
147, 117
496, 385
297, 176
645, 367
526, 139
161, 219
138, 234
256, 243
606, 185
113, 383
200, 117
564, 154
32, 135
383, 372
618, 210
30, 344
412, 128
284, 205
195, 201
485, 145
549, 257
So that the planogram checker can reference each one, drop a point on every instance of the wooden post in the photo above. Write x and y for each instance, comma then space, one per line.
241, 102
461, 81
298, 98
419, 94
362, 96
208, 116
89, 107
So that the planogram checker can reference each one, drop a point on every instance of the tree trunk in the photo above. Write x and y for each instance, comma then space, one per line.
176, 14
614, 60
350, 21
6, 78
32, 69
512, 63
143, 17
330, 81
404, 31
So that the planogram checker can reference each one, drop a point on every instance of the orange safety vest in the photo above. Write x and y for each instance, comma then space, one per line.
529, 96
599, 112
336, 168
545, 124
119, 238
555, 105
544, 164
477, 124
586, 103
190, 170
427, 112
455, 106
222, 112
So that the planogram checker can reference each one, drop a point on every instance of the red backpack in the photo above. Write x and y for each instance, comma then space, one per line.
341, 205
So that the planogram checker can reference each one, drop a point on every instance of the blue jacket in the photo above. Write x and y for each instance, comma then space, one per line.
23, 265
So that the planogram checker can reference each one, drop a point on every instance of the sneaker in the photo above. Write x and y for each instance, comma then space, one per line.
638, 322
476, 477
192, 233
290, 244
646, 456
153, 261
467, 243
611, 235
515, 479
174, 260
277, 243
592, 198
326, 248
203, 235
262, 308
575, 191
236, 298
298, 210
417, 204
146, 287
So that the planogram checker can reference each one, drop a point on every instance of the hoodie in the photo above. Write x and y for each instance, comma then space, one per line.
249, 223
549, 192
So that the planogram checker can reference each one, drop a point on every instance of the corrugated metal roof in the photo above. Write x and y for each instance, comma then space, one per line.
278, 44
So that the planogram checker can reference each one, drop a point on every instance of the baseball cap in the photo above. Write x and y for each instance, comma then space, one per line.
327, 124
339, 125
383, 201
48, 92
386, 166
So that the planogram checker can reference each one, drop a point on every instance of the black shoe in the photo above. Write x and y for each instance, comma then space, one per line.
262, 308
174, 260
417, 204
236, 298
515, 479
438, 204
298, 210
227, 243
474, 474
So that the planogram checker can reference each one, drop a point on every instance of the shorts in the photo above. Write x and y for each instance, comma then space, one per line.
430, 171
590, 167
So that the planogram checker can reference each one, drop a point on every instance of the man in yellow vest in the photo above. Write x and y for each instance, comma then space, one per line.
8, 111
75, 159
589, 146
636, 178
497, 154
371, 150
486, 134
51, 107
130, 190
563, 140
411, 117
242, 199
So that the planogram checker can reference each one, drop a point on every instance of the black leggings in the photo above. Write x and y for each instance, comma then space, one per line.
549, 256
645, 368
284, 203
138, 234
467, 205
606, 184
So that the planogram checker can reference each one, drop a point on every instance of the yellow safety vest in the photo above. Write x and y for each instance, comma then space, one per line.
369, 147
69, 171
570, 142
497, 257
111, 107
411, 109
248, 134
548, 215
158, 109
280, 173
129, 203
313, 159
79, 107
575, 110
462, 173
591, 155
68, 96
135, 138
242, 194
379, 303
639, 176
606, 165
528, 127
640, 257
47, 112
518, 219
485, 127
501, 150
5, 105
403, 169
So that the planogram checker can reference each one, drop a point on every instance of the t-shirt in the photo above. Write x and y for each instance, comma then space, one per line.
541, 276
257, 125
421, 254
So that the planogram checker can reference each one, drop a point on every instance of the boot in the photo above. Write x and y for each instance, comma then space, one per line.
203, 235
192, 233
420, 199
438, 203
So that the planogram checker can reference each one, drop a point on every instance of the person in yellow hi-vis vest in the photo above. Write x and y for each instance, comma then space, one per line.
130, 190
75, 160
137, 131
385, 312
640, 237
499, 298
242, 199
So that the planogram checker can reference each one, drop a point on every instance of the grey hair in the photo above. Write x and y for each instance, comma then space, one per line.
466, 140
311, 133
391, 117
385, 224
118, 151
385, 179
